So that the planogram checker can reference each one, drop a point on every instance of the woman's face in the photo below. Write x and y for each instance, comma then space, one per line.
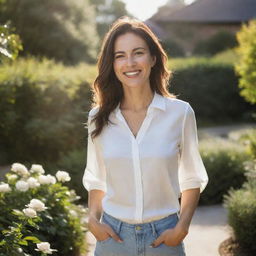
132, 60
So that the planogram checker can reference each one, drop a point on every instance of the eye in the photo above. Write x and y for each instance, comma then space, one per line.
139, 53
118, 56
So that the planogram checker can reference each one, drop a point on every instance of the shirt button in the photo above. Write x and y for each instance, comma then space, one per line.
138, 227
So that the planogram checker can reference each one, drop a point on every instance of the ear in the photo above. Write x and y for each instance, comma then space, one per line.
153, 61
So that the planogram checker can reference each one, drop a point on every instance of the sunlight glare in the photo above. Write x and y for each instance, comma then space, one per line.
144, 9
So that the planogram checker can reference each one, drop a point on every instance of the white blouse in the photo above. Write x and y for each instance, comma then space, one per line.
143, 176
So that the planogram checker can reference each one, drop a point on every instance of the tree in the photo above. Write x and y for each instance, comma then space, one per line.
60, 29
246, 67
107, 12
10, 43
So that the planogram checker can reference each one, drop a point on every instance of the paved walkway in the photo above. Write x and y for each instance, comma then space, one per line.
208, 229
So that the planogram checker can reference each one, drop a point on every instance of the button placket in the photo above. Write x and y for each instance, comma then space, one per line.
138, 181
144, 125
136, 159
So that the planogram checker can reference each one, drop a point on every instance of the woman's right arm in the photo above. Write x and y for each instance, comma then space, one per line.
95, 197
101, 231
94, 180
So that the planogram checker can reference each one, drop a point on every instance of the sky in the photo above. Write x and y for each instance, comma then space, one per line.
144, 9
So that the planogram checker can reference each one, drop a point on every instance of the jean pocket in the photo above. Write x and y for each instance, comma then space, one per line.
104, 241
168, 224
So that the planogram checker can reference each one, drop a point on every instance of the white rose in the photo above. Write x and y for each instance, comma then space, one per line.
20, 169
32, 182
62, 176
29, 212
73, 213
51, 179
37, 205
46, 179
44, 247
43, 179
37, 168
22, 185
4, 187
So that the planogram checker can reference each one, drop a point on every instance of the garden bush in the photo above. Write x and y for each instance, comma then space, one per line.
246, 137
241, 206
75, 161
247, 63
172, 48
223, 161
39, 213
44, 106
43, 109
220, 41
212, 89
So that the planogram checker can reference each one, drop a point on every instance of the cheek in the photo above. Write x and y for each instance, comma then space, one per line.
115, 67
146, 62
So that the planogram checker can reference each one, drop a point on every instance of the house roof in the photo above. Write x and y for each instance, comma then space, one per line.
211, 11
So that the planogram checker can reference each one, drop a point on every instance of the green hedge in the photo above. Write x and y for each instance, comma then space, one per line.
212, 89
44, 107
220, 41
73, 161
241, 205
223, 161
172, 48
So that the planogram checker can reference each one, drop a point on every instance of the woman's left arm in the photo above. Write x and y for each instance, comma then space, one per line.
174, 236
189, 201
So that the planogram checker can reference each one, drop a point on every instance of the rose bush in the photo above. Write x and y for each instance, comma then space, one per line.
39, 215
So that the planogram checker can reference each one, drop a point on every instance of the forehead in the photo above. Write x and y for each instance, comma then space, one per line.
128, 42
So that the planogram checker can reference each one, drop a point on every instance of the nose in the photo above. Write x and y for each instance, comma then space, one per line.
130, 61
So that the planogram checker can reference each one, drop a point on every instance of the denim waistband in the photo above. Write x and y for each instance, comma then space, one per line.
147, 225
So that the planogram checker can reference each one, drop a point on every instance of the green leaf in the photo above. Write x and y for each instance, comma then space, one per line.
32, 238
3, 242
17, 212
6, 231
23, 242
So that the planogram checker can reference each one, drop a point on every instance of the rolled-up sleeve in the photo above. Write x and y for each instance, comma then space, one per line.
94, 176
192, 172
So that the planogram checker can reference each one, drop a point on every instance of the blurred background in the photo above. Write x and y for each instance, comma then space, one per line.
48, 54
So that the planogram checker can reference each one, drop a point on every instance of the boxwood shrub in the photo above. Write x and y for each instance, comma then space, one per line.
212, 89
223, 161
241, 206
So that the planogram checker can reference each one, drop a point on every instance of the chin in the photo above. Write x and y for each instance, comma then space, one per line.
133, 84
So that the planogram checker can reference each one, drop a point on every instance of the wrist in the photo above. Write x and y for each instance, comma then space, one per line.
92, 220
182, 227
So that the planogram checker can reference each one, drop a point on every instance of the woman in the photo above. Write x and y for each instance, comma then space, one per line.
142, 150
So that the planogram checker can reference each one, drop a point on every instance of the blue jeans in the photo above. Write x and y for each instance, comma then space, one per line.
137, 238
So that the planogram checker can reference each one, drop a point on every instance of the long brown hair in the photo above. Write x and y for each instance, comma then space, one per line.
107, 89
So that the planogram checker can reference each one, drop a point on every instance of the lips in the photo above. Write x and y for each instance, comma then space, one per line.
132, 73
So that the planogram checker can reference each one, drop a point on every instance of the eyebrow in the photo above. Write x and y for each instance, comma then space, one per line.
135, 49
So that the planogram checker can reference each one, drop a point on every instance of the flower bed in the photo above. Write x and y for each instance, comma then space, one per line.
38, 214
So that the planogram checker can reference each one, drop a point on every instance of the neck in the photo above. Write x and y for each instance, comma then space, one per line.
137, 101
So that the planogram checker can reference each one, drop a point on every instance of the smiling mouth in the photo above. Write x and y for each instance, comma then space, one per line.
132, 73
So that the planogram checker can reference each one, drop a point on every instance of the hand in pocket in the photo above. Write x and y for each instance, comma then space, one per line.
102, 231
170, 237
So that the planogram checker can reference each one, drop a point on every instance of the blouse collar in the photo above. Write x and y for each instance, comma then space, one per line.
157, 102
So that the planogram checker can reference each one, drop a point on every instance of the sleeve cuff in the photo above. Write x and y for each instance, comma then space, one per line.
95, 185
193, 184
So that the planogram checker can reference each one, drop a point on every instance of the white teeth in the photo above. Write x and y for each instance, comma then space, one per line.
131, 73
